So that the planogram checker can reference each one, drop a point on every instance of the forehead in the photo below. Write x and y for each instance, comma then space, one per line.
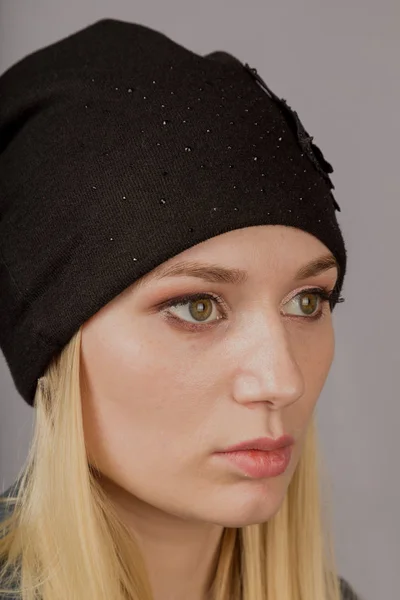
230, 258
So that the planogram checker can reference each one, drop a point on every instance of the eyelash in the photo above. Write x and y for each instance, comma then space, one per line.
325, 295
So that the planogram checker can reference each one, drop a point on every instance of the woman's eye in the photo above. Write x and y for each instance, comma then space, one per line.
308, 303
205, 308
199, 307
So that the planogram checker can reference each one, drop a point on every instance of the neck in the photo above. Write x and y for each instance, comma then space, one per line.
180, 554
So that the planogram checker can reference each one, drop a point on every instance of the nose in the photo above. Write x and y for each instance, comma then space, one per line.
268, 370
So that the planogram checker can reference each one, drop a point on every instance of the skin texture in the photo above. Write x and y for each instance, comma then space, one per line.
159, 400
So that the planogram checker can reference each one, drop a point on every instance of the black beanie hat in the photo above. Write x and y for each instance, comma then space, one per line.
119, 149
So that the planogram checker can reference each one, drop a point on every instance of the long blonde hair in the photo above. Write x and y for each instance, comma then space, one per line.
63, 539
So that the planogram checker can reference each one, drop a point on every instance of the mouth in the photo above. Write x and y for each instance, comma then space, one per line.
264, 444
260, 458
259, 464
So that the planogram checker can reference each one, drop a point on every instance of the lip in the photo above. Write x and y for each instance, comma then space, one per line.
258, 464
263, 444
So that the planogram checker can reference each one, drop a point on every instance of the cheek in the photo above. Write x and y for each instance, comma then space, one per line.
314, 350
314, 359
316, 371
318, 368
139, 409
324, 355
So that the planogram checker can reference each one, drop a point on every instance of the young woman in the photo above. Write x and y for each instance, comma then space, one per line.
170, 260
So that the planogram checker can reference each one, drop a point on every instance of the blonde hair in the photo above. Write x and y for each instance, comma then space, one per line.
63, 539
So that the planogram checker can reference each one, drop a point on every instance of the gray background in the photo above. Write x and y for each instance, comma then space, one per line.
337, 64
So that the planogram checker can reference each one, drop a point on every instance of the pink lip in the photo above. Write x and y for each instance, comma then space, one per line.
260, 464
262, 457
265, 444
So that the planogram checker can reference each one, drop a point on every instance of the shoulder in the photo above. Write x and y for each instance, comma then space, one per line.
346, 591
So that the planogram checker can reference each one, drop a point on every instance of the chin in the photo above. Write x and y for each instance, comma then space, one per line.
249, 507
255, 517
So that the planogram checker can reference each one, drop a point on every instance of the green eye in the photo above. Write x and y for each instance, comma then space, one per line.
193, 310
308, 302
201, 308
196, 308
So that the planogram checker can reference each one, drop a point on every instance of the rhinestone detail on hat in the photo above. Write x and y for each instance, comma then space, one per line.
305, 140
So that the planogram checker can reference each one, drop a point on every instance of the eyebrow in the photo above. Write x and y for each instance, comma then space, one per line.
214, 273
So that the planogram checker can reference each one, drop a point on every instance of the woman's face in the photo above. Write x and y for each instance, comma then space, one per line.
162, 395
